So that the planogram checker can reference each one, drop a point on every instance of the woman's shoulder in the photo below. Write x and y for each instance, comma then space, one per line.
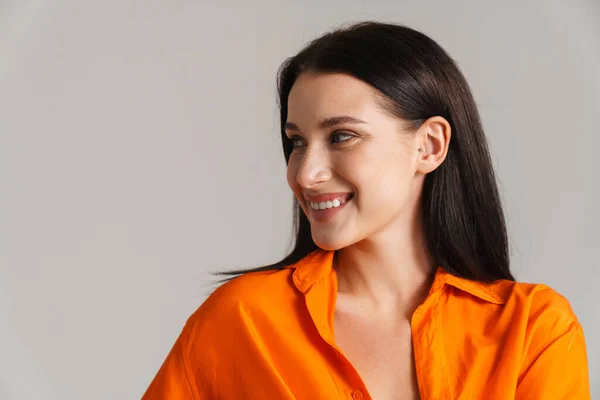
533, 296
225, 335
539, 308
524, 298
249, 292
540, 325
532, 320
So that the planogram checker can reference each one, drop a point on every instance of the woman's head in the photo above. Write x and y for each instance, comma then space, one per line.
356, 169
410, 95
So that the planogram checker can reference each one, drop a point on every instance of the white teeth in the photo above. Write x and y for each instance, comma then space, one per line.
326, 204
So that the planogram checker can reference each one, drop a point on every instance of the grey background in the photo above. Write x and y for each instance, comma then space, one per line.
139, 151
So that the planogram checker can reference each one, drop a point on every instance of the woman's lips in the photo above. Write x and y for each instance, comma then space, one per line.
326, 214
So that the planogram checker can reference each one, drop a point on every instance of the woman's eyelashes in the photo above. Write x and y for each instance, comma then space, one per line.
334, 138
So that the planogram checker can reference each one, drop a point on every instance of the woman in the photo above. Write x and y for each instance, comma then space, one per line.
399, 284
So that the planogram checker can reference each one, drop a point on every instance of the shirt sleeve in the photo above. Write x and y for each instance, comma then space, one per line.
172, 381
555, 367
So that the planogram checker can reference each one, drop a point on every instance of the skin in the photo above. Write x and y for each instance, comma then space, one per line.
383, 268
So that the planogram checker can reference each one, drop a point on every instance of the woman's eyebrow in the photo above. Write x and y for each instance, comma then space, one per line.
328, 122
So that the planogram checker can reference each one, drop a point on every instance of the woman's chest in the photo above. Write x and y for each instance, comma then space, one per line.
381, 353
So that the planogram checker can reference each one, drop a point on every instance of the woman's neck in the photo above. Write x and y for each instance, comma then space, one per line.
388, 272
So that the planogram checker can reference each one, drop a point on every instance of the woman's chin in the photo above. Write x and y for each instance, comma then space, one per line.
329, 243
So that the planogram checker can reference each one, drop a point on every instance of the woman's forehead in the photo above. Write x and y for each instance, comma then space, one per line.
338, 85
319, 96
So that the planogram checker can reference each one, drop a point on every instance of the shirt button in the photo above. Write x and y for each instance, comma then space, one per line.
357, 395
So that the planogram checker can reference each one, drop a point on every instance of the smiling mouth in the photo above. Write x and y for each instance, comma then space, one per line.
329, 204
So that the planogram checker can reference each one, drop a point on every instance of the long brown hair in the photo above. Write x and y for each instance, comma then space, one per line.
462, 212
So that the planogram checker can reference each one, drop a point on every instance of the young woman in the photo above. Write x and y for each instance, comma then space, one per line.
399, 284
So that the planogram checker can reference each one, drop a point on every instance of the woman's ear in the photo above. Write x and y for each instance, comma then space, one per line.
433, 140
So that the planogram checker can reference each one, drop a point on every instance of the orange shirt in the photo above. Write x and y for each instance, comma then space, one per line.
268, 335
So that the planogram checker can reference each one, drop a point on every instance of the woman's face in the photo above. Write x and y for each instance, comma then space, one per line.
363, 177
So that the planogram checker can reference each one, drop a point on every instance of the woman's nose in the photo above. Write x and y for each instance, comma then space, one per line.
314, 169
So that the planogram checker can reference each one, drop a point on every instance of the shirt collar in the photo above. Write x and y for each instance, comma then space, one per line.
318, 265
312, 268
485, 291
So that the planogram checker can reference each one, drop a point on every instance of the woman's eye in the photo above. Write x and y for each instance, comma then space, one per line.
338, 137
296, 142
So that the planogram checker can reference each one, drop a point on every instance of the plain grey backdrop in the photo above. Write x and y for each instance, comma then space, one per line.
139, 151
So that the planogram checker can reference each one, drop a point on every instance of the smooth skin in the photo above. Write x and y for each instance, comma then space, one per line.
383, 267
